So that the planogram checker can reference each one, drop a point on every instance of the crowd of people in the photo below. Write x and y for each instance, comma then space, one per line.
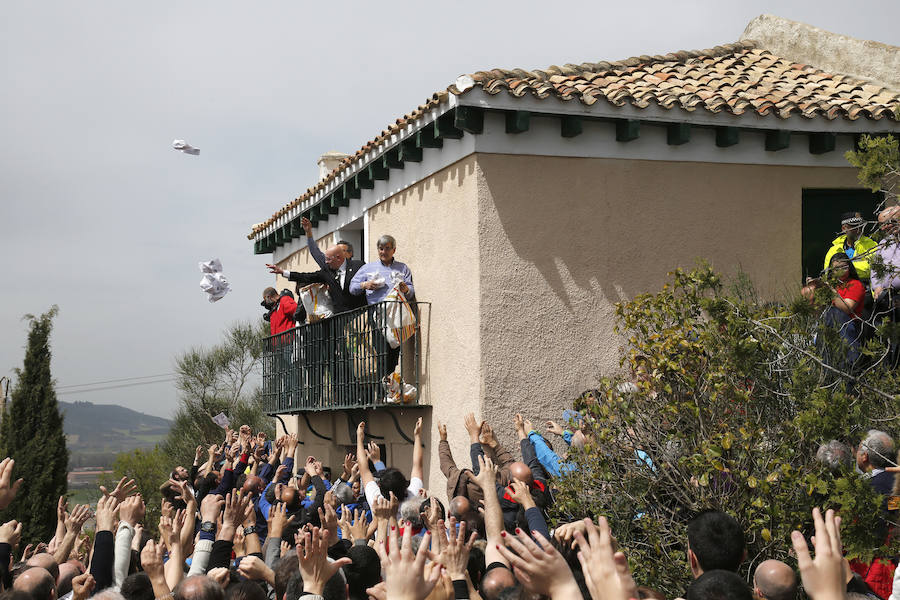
863, 281
253, 520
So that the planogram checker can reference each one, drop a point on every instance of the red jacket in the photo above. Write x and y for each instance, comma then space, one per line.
282, 318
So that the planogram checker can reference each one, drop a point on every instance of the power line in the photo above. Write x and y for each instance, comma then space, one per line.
114, 387
93, 383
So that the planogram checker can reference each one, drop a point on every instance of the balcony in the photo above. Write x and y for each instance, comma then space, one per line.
338, 363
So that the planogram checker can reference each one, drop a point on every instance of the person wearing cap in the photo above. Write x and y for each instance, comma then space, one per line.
853, 243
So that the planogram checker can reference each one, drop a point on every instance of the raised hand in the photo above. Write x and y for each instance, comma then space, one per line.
198, 454
554, 427
211, 507
417, 431
11, 533
541, 569
565, 533
8, 491
106, 512
83, 586
487, 474
233, 515
278, 520
528, 426
132, 510
220, 575
455, 556
184, 490
520, 493
154, 567
76, 520
360, 527
442, 431
252, 567
328, 519
822, 576
404, 573
374, 452
349, 462
605, 571
472, 426
312, 551
519, 424
487, 436
126, 487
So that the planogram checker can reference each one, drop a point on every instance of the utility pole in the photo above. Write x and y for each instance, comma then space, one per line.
4, 394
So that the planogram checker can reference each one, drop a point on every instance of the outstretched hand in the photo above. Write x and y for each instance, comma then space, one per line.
312, 552
404, 573
822, 576
541, 569
605, 571
126, 487
8, 491
487, 474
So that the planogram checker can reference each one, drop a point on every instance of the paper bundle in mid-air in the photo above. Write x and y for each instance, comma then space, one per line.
183, 146
213, 282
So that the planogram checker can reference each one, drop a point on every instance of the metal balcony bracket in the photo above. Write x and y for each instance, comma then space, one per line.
397, 426
313, 431
353, 422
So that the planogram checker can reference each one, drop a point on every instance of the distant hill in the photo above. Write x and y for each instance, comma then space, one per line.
95, 433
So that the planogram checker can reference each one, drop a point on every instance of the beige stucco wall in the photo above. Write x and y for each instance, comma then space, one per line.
563, 239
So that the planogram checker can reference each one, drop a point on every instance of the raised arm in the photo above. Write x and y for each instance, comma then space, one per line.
493, 514
365, 474
418, 452
314, 251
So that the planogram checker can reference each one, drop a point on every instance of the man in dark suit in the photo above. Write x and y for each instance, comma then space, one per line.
325, 340
874, 454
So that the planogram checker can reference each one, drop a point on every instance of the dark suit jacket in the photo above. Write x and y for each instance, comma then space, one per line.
341, 297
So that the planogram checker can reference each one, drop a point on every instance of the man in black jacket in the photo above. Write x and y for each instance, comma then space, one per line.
326, 339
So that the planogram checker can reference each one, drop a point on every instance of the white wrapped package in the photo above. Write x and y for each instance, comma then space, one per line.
317, 302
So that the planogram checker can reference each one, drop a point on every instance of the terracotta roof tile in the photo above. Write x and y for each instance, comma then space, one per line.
734, 78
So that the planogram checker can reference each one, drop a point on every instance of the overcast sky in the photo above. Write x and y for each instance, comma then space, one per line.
100, 216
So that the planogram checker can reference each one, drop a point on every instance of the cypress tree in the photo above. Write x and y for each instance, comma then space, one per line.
31, 432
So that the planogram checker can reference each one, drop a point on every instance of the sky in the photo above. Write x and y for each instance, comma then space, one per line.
100, 215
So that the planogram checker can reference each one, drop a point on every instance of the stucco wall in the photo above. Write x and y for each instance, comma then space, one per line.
435, 224
563, 239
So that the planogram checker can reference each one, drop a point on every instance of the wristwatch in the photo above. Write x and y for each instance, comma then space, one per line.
208, 527
249, 530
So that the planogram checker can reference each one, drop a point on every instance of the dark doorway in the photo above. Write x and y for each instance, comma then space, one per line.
821, 221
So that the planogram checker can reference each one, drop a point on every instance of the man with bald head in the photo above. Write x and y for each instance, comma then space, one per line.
45, 561
198, 587
336, 271
495, 581
37, 582
774, 580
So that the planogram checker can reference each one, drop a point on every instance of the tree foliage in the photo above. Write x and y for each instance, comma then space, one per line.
218, 379
728, 402
31, 432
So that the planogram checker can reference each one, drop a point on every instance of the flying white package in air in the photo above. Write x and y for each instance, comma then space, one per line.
213, 282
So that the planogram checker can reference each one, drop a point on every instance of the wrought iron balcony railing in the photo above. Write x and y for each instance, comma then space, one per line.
339, 362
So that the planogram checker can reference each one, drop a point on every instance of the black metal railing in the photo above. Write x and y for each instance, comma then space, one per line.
340, 362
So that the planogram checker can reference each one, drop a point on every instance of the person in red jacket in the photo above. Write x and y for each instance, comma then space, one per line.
281, 310
281, 319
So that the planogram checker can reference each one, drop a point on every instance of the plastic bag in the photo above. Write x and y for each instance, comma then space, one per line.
317, 302
399, 321
397, 392
376, 278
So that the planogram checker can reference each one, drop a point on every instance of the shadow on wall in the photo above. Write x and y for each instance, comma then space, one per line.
616, 227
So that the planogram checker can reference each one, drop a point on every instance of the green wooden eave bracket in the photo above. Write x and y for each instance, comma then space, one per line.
409, 151
391, 158
280, 238
518, 121
427, 137
351, 190
727, 136
444, 127
571, 126
777, 139
820, 143
377, 170
678, 133
627, 130
312, 215
296, 229
363, 180
469, 118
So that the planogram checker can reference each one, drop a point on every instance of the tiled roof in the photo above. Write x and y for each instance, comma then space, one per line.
735, 78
